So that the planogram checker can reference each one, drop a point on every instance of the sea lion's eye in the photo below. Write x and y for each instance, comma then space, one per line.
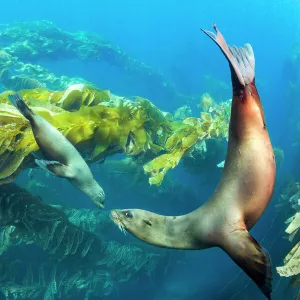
147, 222
128, 214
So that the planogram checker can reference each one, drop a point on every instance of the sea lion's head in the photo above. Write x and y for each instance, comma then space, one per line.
145, 225
97, 194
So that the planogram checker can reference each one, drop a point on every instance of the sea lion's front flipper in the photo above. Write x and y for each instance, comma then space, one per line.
249, 255
55, 168
241, 59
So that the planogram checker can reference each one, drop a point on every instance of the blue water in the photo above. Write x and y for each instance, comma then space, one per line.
166, 35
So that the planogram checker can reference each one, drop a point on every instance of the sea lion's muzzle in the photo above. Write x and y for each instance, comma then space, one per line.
117, 217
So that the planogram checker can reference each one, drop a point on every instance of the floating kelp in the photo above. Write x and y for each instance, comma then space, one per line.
100, 124
184, 139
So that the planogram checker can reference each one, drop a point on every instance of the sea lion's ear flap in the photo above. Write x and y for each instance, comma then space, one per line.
255, 261
147, 222
241, 59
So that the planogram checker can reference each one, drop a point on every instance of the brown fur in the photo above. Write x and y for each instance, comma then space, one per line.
242, 195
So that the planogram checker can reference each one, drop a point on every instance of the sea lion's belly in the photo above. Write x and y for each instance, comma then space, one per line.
257, 178
250, 177
52, 143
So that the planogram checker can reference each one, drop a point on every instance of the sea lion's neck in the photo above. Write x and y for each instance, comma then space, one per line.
247, 116
181, 232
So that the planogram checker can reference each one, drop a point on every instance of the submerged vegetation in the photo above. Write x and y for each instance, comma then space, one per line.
100, 124
80, 260
78, 256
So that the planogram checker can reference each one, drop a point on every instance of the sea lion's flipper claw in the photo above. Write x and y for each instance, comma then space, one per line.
241, 59
211, 34
55, 168
249, 255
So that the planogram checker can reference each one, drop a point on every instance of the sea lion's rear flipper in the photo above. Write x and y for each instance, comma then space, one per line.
241, 59
20, 104
55, 168
252, 258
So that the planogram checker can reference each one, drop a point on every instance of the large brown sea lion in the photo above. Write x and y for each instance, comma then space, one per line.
61, 157
244, 190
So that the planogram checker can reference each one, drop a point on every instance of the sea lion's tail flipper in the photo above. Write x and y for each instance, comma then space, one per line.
252, 258
241, 59
22, 107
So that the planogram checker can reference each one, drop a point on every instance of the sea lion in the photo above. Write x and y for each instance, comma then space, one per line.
62, 159
243, 193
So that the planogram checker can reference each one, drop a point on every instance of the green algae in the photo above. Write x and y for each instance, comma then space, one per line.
100, 124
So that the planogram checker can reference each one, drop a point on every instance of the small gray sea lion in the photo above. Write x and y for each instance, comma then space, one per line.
243, 193
61, 157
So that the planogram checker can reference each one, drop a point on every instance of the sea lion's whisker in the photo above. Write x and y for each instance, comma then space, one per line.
122, 228
116, 219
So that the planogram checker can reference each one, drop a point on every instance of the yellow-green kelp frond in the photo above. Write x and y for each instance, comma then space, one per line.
71, 99
186, 136
176, 145
98, 129
100, 124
